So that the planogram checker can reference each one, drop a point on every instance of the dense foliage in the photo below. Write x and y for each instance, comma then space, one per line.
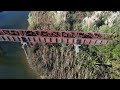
59, 60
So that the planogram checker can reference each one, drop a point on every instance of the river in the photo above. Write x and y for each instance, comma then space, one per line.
14, 64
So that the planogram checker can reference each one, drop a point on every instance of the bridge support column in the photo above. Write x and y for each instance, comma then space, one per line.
76, 49
24, 46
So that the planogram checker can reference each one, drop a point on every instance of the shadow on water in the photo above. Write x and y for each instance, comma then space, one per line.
13, 65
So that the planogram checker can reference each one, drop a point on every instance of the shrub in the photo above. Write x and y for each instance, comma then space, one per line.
59, 61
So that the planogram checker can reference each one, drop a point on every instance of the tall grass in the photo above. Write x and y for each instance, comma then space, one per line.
58, 61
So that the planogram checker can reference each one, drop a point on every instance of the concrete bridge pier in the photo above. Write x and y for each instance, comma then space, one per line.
24, 47
76, 49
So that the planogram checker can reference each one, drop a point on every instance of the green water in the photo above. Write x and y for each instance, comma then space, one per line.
13, 65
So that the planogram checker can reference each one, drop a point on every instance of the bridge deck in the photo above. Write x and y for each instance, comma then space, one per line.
44, 36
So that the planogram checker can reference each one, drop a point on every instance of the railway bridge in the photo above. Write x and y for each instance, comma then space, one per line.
53, 36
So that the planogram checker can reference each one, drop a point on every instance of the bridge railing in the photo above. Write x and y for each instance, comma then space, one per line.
52, 36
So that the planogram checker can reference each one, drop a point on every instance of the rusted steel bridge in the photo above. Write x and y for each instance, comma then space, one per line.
53, 36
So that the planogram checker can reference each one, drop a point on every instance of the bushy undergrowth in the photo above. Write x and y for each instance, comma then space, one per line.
58, 61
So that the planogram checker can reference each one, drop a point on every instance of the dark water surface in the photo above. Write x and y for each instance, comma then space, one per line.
14, 64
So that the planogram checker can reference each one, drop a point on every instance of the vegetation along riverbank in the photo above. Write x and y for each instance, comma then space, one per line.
58, 61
